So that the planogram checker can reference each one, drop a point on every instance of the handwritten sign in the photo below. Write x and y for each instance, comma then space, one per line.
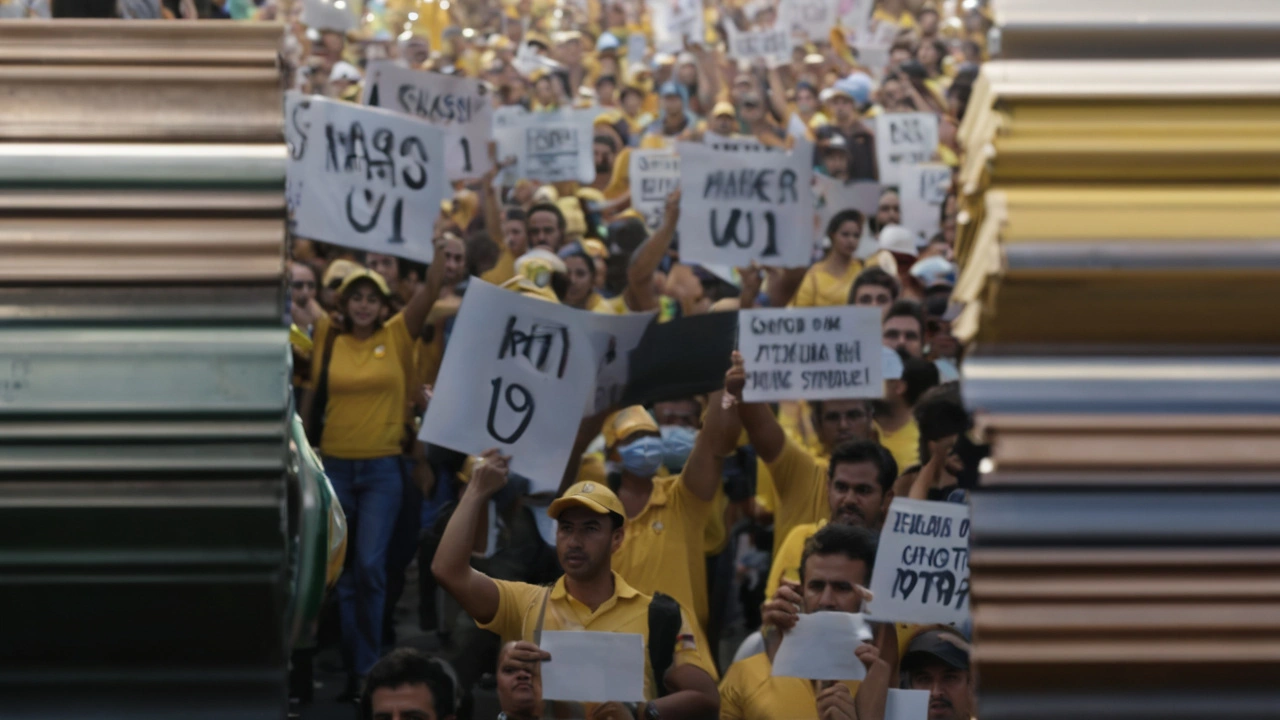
904, 139
773, 46
614, 338
811, 353
734, 143
461, 106
740, 207
363, 178
812, 20
654, 174
674, 21
922, 564
922, 191
549, 146
512, 376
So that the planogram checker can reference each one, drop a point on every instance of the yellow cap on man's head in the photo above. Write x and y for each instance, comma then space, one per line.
593, 496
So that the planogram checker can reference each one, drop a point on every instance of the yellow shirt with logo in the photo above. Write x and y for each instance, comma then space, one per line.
800, 486
663, 548
627, 611
820, 288
904, 444
365, 414
751, 692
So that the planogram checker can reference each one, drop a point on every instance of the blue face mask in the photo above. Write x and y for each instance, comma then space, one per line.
642, 457
677, 443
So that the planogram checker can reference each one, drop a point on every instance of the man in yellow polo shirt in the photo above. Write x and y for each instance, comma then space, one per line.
590, 596
860, 480
836, 568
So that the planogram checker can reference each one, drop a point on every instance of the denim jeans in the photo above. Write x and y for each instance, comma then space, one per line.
369, 491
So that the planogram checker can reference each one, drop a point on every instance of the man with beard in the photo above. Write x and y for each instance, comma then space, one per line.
519, 683
860, 480
938, 661
589, 597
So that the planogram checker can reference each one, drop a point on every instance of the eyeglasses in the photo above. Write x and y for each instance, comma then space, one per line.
850, 415
302, 284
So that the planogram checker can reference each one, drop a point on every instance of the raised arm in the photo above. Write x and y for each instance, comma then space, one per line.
489, 198
766, 435
476, 592
639, 293
415, 311
702, 470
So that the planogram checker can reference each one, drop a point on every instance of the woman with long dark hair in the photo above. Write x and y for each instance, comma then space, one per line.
827, 283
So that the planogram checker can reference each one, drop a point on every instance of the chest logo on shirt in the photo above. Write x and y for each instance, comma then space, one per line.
380, 351
658, 526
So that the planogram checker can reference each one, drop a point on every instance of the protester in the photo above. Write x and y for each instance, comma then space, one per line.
407, 685
519, 685
938, 661
829, 281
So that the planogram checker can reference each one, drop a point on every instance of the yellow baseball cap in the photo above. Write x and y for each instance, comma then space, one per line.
337, 271
365, 274
627, 422
596, 497
724, 108
526, 287
595, 249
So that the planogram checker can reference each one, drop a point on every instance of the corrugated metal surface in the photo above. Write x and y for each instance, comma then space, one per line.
1120, 249
144, 371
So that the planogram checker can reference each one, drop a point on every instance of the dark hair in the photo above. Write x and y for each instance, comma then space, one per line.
513, 212
855, 543
921, 376
575, 251
630, 89
606, 141
859, 451
616, 520
482, 254
551, 208
406, 666
940, 413
877, 276
345, 299
625, 236
841, 218
906, 308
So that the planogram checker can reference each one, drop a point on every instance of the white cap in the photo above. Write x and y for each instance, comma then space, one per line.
890, 363
343, 70
896, 238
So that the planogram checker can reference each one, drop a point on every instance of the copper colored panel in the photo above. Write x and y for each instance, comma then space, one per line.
141, 42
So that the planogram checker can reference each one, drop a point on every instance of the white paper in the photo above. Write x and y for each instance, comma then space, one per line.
740, 207
906, 705
549, 146
363, 178
654, 174
590, 666
835, 195
461, 106
922, 564
734, 143
321, 15
613, 339
904, 139
512, 378
922, 192
796, 127
873, 56
812, 19
823, 353
675, 20
636, 47
822, 646
773, 46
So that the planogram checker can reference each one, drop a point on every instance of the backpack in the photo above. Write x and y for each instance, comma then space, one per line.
664, 630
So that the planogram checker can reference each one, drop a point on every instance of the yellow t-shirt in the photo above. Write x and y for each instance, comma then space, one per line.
620, 180
627, 611
904, 445
750, 691
597, 304
367, 384
905, 21
800, 481
503, 270
786, 562
820, 288
662, 550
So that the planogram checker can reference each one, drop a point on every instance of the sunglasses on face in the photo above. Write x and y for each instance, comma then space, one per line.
850, 415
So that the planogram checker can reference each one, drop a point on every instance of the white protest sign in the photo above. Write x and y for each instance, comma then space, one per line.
675, 20
733, 143
462, 107
822, 646
512, 378
812, 19
549, 146
904, 139
827, 353
773, 46
636, 47
906, 705
593, 666
922, 191
321, 15
922, 564
835, 195
654, 174
613, 338
740, 207
363, 178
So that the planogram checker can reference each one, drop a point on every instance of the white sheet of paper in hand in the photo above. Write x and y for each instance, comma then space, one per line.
906, 705
590, 666
821, 647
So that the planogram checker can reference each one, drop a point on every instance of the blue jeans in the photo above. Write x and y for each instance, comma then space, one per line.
369, 491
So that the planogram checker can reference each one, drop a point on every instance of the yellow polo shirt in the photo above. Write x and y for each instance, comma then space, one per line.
365, 414
504, 269
751, 692
663, 548
800, 486
904, 444
786, 562
820, 288
627, 611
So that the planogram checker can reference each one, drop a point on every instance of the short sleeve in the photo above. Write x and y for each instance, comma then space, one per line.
787, 559
515, 600
691, 647
732, 705
792, 472
807, 295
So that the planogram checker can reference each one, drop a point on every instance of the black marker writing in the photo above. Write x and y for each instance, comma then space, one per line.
519, 400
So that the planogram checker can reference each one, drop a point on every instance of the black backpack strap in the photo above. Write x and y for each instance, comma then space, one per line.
664, 630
